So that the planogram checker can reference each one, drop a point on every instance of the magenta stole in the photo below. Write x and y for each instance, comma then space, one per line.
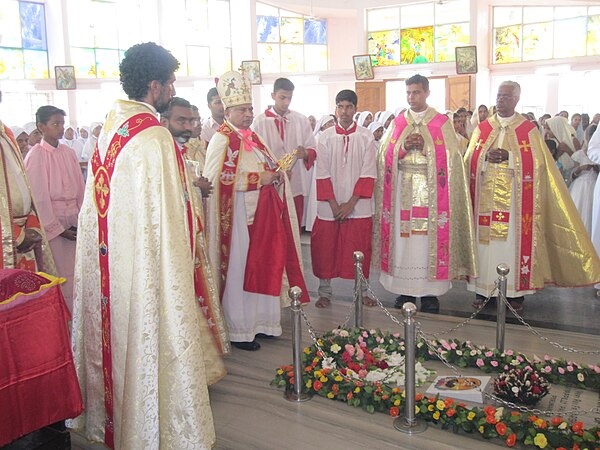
443, 198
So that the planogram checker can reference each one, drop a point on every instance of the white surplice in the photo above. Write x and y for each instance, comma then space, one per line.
582, 189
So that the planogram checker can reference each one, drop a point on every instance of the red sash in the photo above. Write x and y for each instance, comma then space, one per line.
102, 174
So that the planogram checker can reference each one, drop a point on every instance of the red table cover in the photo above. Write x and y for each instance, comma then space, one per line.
38, 381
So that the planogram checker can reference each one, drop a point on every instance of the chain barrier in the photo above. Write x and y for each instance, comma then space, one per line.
539, 335
503, 402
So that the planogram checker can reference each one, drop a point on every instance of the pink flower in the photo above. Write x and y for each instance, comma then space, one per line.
519, 358
362, 373
494, 363
547, 369
365, 334
597, 369
350, 349
363, 345
360, 339
489, 354
547, 357
396, 335
453, 346
570, 368
509, 352
528, 368
445, 344
360, 354
561, 370
379, 340
479, 362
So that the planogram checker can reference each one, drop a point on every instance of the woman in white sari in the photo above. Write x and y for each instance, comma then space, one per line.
584, 180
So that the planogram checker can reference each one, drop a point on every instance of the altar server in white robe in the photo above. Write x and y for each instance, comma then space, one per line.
286, 131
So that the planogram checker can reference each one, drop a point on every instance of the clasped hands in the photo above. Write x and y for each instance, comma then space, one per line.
416, 142
32, 240
496, 155
342, 211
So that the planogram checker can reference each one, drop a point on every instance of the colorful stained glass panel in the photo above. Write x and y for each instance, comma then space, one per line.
417, 45
267, 29
220, 61
198, 61
291, 31
84, 60
593, 35
107, 63
10, 25
33, 25
315, 31
507, 15
537, 41
447, 38
11, 64
292, 58
507, 44
315, 58
36, 64
268, 55
383, 19
384, 47
570, 37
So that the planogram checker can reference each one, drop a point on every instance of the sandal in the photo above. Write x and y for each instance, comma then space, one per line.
323, 302
517, 306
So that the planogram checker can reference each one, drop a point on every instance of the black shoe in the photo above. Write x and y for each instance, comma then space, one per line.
250, 346
430, 304
264, 336
402, 299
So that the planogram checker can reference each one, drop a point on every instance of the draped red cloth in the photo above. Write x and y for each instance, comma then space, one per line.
272, 248
38, 382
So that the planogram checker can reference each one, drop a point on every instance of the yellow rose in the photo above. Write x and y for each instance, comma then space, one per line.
430, 408
317, 374
330, 395
403, 394
436, 415
338, 378
396, 402
481, 429
280, 372
356, 390
417, 409
471, 416
323, 379
540, 440
440, 405
309, 384
307, 350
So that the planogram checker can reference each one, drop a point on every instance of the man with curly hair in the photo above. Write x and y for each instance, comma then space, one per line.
143, 351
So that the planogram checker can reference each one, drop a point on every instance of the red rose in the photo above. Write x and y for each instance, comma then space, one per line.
394, 411
349, 396
577, 427
419, 397
575, 446
511, 440
335, 389
501, 428
491, 420
556, 421
448, 402
489, 410
317, 385
450, 412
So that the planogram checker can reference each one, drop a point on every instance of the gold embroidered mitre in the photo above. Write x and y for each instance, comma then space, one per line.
234, 89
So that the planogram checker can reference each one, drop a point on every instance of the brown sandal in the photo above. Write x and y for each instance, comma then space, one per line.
323, 302
368, 301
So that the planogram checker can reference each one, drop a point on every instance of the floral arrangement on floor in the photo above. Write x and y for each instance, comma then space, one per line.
342, 373
525, 386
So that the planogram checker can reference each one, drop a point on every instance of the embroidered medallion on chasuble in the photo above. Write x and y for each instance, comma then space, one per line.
234, 89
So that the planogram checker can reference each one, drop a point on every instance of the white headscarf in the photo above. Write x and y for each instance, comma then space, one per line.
29, 127
374, 126
385, 115
362, 117
70, 142
322, 121
17, 131
562, 130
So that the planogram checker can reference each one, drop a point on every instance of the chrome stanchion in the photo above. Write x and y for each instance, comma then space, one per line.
358, 306
502, 270
408, 422
297, 393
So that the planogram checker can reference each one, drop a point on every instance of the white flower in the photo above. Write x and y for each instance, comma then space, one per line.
394, 359
459, 352
580, 377
329, 363
335, 348
473, 352
344, 333
375, 376
515, 389
514, 362
562, 426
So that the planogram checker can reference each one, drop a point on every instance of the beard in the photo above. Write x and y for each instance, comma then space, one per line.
182, 138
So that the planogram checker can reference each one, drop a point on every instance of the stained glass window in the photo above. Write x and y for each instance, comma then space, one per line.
290, 42
418, 33
23, 46
384, 47
417, 45
534, 33
447, 38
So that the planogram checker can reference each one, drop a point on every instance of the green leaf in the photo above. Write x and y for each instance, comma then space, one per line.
370, 409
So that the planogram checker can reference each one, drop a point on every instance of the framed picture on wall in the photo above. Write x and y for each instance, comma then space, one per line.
65, 77
466, 59
252, 71
363, 69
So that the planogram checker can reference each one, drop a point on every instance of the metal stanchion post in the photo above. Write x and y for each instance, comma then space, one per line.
502, 270
358, 306
408, 423
297, 394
